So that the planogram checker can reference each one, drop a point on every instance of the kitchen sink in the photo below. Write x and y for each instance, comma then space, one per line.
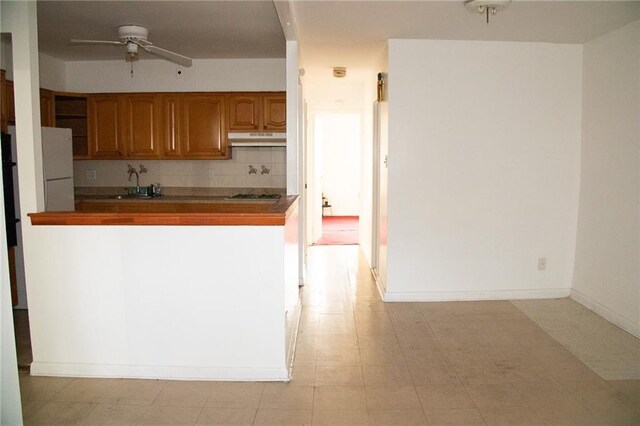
271, 196
132, 196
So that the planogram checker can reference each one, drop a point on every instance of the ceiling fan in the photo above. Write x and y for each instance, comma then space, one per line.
134, 36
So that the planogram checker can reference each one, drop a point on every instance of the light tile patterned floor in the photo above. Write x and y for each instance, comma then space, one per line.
608, 350
363, 362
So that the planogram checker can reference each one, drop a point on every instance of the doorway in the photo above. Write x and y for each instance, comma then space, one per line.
335, 208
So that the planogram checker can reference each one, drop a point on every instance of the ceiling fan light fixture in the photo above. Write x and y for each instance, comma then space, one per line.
132, 51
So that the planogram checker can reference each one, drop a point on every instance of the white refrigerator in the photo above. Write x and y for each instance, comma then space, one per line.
57, 165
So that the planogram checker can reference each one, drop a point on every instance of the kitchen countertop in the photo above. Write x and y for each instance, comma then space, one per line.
172, 211
172, 199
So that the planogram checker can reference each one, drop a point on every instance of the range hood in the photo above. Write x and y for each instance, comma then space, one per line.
258, 139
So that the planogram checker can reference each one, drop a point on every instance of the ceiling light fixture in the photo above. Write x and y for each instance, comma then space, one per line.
132, 54
486, 7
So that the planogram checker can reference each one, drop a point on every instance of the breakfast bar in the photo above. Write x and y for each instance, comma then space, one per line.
166, 289
211, 211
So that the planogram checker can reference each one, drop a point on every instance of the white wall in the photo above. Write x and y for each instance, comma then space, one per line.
52, 73
182, 302
294, 165
156, 75
52, 70
339, 134
484, 157
232, 173
20, 19
607, 266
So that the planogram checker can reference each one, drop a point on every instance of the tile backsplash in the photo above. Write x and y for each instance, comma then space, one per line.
232, 173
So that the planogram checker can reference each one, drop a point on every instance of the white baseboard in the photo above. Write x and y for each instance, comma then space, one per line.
451, 296
158, 372
291, 350
376, 278
607, 313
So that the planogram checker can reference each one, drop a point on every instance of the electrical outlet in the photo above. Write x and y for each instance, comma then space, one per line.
91, 175
542, 263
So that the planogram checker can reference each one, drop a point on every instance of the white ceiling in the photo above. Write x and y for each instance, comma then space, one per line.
197, 29
331, 32
353, 33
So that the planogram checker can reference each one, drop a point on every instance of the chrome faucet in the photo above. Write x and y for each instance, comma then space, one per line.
132, 171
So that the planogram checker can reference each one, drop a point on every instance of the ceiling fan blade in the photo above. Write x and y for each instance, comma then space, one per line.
172, 56
118, 43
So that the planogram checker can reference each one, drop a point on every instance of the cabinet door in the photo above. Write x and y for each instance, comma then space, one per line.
203, 133
105, 130
3, 102
9, 102
275, 112
46, 108
171, 119
140, 125
243, 112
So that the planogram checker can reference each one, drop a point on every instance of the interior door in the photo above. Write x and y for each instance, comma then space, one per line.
383, 138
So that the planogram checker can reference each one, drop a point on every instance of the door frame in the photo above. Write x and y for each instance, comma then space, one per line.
375, 196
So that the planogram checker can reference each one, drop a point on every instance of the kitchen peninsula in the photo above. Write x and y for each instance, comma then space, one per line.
202, 291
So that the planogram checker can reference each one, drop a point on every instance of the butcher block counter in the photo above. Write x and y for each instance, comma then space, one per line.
210, 211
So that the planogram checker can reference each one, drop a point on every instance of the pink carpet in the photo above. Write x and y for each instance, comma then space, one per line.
339, 230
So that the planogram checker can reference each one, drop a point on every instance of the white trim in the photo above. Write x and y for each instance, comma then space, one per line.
381, 291
293, 343
447, 296
158, 372
621, 321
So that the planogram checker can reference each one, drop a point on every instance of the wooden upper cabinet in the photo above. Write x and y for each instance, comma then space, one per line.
243, 112
47, 118
203, 129
105, 129
140, 125
171, 121
3, 101
9, 102
275, 112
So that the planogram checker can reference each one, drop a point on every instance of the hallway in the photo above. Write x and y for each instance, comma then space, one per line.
360, 361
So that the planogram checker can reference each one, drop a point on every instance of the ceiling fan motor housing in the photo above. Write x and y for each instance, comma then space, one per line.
132, 33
